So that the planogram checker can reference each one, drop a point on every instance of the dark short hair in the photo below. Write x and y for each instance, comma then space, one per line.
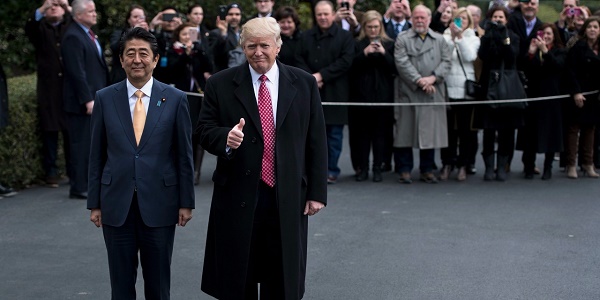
496, 8
234, 5
138, 33
285, 12
131, 8
189, 11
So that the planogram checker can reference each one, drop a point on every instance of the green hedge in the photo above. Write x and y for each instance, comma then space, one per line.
19, 142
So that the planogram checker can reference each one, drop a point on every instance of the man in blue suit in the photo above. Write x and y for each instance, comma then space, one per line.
85, 73
141, 170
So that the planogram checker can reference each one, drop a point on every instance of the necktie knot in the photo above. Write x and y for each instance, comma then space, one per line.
263, 78
139, 94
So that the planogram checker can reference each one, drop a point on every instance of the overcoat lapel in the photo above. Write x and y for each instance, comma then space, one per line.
287, 92
245, 94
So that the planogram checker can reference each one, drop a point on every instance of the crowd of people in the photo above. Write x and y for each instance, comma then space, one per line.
403, 55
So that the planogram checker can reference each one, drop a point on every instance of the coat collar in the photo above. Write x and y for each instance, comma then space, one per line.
245, 94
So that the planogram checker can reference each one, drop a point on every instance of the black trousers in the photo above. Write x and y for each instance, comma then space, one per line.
265, 266
79, 137
155, 248
505, 139
50, 152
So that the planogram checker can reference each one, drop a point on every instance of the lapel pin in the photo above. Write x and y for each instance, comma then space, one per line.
161, 101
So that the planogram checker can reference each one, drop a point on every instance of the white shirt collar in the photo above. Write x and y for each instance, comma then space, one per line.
147, 88
272, 74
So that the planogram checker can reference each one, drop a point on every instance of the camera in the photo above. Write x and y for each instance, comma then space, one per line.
540, 34
222, 12
168, 17
346, 5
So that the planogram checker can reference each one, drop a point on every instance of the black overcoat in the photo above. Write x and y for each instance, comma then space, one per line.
583, 72
46, 39
543, 130
330, 53
301, 175
492, 52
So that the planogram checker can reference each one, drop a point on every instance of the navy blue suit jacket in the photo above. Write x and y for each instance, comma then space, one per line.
85, 69
160, 167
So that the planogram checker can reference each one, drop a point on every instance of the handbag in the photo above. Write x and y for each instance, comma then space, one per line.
472, 88
504, 85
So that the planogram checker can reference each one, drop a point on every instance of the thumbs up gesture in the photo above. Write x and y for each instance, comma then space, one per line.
236, 136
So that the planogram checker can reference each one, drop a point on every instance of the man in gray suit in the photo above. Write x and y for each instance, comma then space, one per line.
141, 171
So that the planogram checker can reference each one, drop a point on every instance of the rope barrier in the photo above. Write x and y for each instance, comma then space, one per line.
473, 102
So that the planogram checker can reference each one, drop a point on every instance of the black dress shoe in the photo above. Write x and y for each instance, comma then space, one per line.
73, 195
471, 169
362, 176
6, 191
377, 175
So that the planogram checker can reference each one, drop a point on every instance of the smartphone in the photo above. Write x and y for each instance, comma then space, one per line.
222, 12
540, 34
193, 34
376, 40
168, 17
524, 1
345, 4
458, 22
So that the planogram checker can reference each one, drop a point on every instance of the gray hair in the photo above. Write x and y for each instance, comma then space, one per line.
78, 6
424, 8
261, 27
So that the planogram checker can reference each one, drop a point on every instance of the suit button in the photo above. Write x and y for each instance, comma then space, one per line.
248, 172
137, 156
243, 204
253, 140
59, 74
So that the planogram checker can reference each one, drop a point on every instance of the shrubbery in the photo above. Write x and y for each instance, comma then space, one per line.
20, 144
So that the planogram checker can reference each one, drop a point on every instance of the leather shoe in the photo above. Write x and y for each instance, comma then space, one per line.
405, 178
73, 195
331, 179
428, 178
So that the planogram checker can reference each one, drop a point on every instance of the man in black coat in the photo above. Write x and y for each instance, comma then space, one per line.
224, 40
45, 30
327, 52
85, 73
269, 136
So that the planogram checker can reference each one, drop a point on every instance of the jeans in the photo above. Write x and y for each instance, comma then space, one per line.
335, 135
406, 161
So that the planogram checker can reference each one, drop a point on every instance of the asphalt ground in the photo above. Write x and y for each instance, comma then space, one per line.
520, 239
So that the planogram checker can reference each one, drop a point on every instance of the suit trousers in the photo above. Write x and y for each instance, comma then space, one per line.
155, 247
79, 138
265, 265
50, 152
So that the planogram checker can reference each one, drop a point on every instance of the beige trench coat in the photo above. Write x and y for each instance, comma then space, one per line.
422, 127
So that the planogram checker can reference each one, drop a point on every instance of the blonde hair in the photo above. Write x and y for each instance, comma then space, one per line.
261, 27
368, 17
469, 16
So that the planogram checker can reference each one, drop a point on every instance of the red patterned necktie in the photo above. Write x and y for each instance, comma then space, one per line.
265, 109
92, 36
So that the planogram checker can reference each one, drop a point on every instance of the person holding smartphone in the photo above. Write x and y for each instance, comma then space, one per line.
371, 80
348, 18
543, 131
162, 26
462, 137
